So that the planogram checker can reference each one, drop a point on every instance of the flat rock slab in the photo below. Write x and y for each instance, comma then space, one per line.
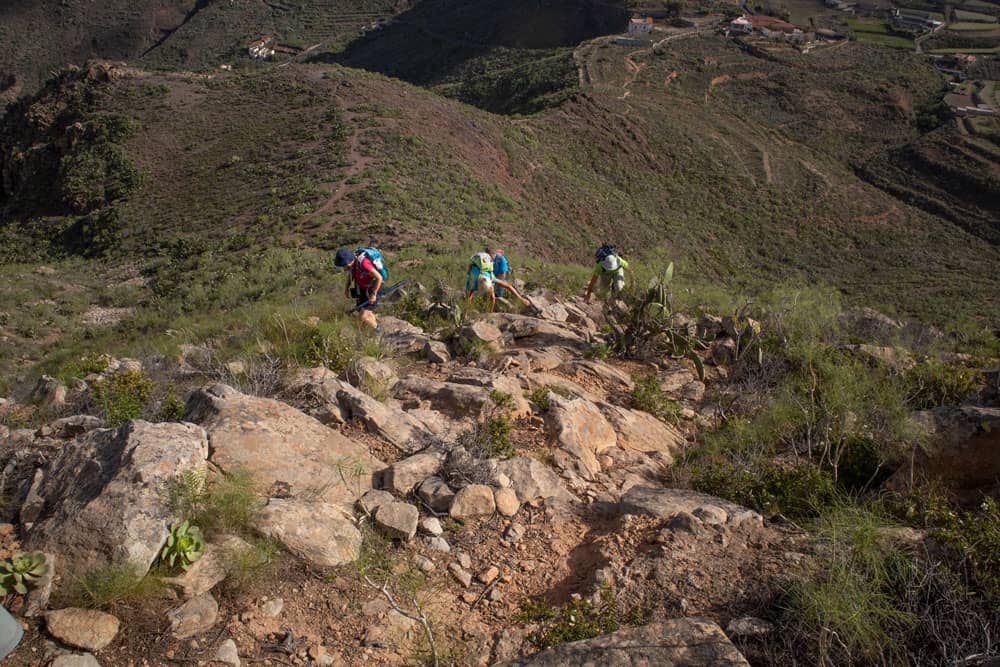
665, 503
577, 427
281, 445
319, 532
681, 642
83, 628
533, 480
194, 616
102, 498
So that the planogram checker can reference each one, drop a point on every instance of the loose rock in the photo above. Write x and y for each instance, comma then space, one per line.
83, 628
473, 501
194, 616
398, 520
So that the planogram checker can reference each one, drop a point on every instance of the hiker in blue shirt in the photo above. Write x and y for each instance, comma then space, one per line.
500, 270
481, 278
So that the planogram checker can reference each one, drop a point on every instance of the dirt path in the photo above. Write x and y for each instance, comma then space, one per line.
347, 184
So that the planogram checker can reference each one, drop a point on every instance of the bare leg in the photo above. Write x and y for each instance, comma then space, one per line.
507, 285
368, 317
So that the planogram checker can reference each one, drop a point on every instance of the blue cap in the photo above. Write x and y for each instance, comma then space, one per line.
344, 257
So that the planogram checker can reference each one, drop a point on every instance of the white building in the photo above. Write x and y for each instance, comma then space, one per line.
640, 26
262, 48
741, 25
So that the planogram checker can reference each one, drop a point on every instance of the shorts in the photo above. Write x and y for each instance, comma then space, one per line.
361, 300
479, 280
615, 281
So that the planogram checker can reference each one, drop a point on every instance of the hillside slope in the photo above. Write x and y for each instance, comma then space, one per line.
735, 166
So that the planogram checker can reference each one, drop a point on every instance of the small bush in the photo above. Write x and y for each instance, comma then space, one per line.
82, 367
184, 546
598, 350
540, 397
975, 536
113, 585
798, 491
123, 396
577, 620
649, 397
933, 384
248, 565
171, 407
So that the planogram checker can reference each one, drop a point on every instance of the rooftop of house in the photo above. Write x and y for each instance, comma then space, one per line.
771, 23
645, 20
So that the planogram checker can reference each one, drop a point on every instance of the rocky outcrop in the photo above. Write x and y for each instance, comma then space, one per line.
681, 642
103, 499
667, 503
282, 446
642, 432
962, 447
580, 432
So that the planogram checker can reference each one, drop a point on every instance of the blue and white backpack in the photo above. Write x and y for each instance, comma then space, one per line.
375, 257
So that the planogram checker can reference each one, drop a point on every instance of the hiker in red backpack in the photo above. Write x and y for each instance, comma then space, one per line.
367, 279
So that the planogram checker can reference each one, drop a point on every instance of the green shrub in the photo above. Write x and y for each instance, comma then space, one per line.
123, 396
846, 611
82, 367
797, 491
577, 620
860, 466
540, 397
932, 384
649, 397
975, 536
96, 171
597, 350
171, 407
220, 504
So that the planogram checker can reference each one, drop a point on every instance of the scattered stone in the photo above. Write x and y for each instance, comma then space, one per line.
209, 570
470, 597
100, 499
272, 608
495, 595
464, 559
514, 533
368, 372
436, 352
461, 575
228, 653
194, 616
711, 514
438, 544
488, 575
398, 520
436, 494
686, 523
432, 526
402, 476
374, 499
424, 564
48, 393
482, 332
506, 501
688, 642
473, 501
88, 629
749, 626
317, 531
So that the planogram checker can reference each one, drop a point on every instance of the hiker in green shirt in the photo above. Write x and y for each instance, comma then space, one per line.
609, 274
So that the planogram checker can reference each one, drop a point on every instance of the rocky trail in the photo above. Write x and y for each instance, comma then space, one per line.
411, 534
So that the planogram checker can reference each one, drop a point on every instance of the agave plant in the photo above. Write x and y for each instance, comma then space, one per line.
21, 571
184, 545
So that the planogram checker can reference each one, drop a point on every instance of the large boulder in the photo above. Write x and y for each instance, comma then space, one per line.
404, 431
102, 499
577, 427
604, 373
680, 642
532, 480
533, 332
282, 447
962, 447
642, 432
